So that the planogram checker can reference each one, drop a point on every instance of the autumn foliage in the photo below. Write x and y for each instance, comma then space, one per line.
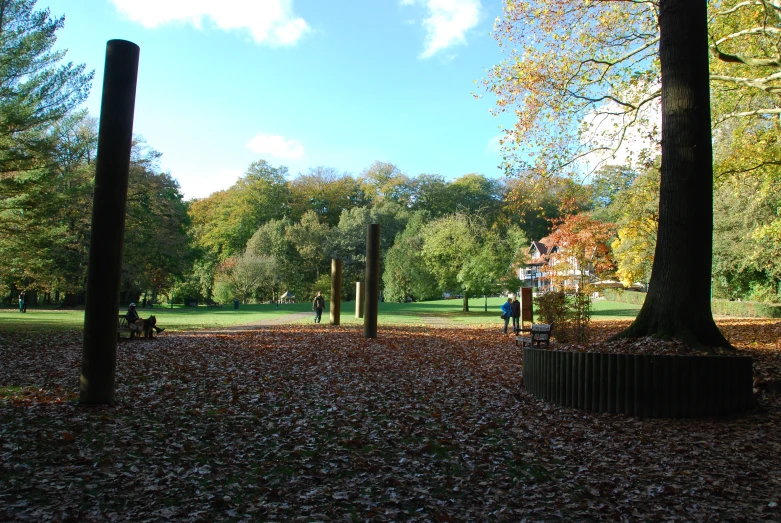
321, 424
582, 246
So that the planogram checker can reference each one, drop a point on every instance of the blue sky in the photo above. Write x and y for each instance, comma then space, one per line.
300, 83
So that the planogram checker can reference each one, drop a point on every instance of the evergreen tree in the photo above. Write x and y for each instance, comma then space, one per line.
36, 89
37, 93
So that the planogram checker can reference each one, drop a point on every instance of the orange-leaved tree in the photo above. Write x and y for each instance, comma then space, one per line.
582, 251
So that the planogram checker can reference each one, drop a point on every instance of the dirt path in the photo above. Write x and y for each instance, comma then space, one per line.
294, 317
435, 320
298, 317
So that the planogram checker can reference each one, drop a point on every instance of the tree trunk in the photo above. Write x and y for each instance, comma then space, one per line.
72, 299
678, 303
466, 302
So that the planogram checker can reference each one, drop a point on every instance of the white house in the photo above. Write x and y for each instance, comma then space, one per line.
540, 272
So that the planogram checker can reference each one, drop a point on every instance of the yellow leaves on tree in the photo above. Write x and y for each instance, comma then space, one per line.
577, 74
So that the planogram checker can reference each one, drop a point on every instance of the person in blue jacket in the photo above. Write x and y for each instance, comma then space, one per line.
507, 311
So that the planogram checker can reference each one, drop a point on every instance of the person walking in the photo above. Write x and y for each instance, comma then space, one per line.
507, 311
318, 305
21, 301
516, 315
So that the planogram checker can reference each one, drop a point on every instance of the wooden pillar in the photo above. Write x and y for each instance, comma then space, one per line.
104, 269
372, 281
336, 291
359, 297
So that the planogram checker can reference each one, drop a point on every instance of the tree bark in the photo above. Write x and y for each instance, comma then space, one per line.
465, 308
72, 299
678, 303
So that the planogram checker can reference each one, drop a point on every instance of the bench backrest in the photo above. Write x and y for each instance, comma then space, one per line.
541, 331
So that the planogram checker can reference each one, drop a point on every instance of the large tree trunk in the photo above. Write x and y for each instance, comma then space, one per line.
679, 301
72, 299
465, 308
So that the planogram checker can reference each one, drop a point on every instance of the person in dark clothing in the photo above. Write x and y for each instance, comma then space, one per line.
516, 314
22, 302
131, 316
318, 305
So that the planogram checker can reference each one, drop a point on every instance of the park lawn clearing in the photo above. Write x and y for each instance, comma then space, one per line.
449, 312
318, 423
177, 319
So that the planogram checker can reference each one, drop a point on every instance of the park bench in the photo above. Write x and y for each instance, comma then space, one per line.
213, 304
538, 335
122, 326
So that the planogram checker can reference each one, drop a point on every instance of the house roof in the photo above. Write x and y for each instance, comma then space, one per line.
541, 247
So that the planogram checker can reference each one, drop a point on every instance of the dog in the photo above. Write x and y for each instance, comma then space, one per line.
147, 326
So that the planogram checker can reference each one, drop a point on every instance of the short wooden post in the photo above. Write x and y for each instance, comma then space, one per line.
359, 297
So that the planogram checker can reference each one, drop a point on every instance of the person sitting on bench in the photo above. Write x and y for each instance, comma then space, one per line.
132, 316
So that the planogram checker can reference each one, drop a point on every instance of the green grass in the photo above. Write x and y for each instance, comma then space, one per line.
198, 318
178, 318
613, 310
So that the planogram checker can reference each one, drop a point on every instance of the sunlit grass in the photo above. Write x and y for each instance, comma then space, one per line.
178, 318
481, 312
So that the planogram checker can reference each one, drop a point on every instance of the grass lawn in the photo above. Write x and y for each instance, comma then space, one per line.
199, 318
176, 319
449, 311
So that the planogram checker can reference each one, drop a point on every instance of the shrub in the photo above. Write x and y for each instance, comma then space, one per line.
570, 314
223, 292
580, 316
623, 296
552, 307
746, 309
183, 290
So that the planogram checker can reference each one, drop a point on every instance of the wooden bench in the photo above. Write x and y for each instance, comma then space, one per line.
122, 326
538, 335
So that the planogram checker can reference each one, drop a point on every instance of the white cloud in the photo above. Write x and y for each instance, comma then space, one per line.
201, 184
494, 144
276, 146
268, 21
625, 138
447, 22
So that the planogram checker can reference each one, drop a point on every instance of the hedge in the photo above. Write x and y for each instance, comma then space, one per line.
623, 296
745, 309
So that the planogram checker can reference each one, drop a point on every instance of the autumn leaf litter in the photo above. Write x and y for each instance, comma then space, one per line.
318, 424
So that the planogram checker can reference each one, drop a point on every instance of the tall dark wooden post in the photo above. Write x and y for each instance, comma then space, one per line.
336, 291
115, 134
372, 301
527, 308
359, 297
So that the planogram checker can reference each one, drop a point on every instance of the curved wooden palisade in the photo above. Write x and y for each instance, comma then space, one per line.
646, 386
